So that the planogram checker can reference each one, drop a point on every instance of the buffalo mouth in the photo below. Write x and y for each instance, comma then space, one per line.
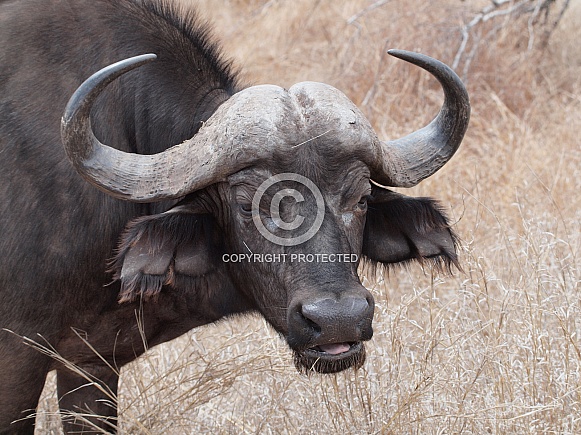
330, 358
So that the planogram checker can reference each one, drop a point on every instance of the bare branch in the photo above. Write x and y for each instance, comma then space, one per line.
506, 13
368, 9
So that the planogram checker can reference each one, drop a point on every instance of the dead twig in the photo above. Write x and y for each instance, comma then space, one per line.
505, 13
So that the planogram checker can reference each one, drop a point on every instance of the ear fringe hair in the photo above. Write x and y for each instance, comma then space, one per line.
429, 216
157, 232
147, 287
442, 263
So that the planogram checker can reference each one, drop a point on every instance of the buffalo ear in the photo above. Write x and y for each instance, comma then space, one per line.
157, 250
399, 228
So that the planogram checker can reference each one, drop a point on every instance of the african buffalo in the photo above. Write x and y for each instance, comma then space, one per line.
206, 196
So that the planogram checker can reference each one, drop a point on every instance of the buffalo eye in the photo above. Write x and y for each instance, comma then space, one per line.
362, 204
245, 209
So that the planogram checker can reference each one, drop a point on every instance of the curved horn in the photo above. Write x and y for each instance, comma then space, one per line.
208, 157
410, 159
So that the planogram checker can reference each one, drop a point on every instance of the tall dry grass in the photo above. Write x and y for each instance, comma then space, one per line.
493, 349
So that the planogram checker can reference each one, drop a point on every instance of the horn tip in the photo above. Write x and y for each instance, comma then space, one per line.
408, 56
397, 52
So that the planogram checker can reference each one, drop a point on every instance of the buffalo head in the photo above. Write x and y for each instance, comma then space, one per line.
280, 194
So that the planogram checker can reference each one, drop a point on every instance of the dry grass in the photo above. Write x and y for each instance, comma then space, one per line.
494, 349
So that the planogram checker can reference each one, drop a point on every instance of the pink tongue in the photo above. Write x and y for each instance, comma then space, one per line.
334, 348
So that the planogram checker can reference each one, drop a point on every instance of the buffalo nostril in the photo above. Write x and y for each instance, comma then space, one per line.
332, 314
310, 314
309, 319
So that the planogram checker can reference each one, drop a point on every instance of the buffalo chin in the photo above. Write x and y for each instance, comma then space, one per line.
312, 360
